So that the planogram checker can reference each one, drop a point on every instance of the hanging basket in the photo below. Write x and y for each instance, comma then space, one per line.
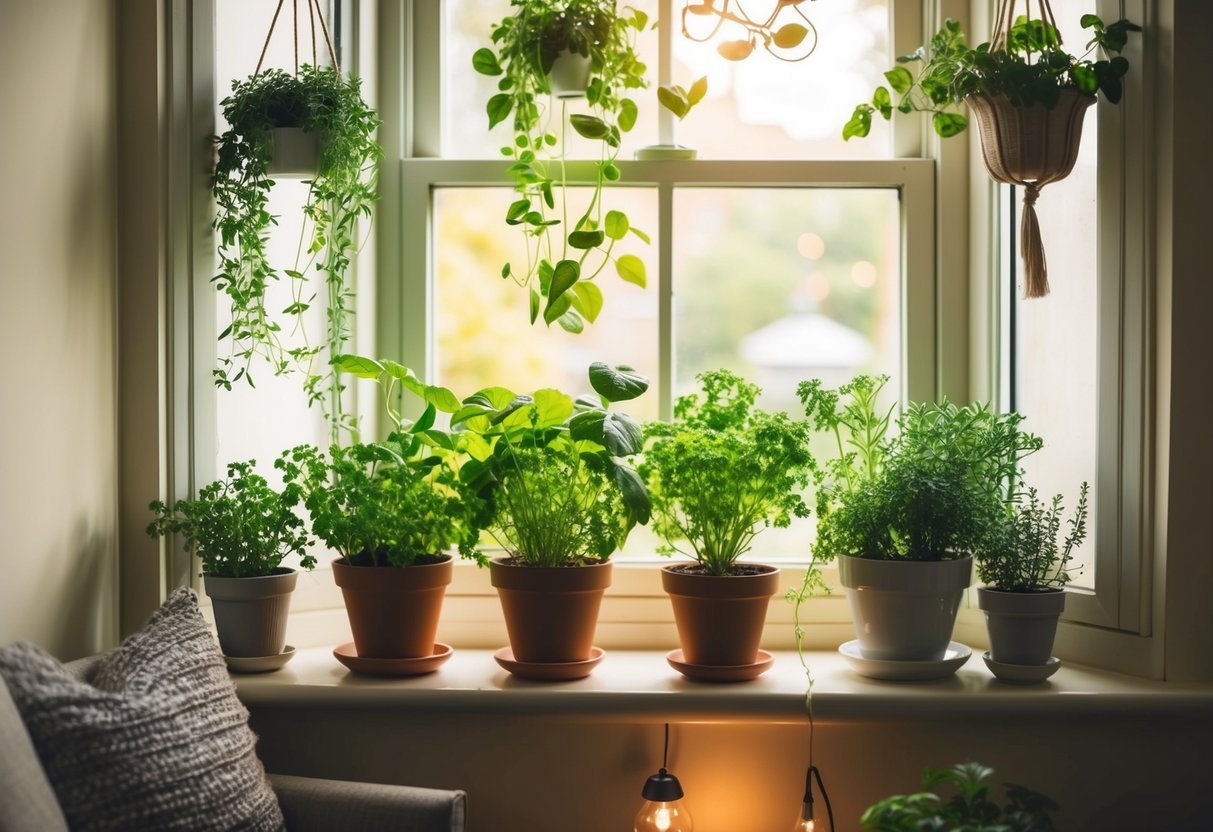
1028, 146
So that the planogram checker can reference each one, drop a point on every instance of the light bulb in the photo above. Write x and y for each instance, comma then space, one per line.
663, 816
804, 820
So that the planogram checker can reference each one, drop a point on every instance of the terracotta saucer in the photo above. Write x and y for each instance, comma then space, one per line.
418, 666
259, 664
549, 671
720, 673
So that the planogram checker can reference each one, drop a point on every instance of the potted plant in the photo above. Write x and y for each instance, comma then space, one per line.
1024, 566
242, 529
391, 510
903, 513
561, 501
720, 473
567, 250
317, 106
971, 809
1027, 93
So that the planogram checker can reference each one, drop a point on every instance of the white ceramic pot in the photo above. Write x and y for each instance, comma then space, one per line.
1022, 625
570, 75
296, 153
904, 610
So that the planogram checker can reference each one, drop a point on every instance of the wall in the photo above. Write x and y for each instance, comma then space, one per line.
57, 334
548, 774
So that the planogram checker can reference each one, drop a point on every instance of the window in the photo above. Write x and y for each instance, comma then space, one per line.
780, 252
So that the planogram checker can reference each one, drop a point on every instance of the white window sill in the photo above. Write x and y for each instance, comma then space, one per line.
638, 686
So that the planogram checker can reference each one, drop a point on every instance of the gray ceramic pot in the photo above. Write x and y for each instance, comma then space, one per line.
250, 613
1021, 625
296, 154
904, 610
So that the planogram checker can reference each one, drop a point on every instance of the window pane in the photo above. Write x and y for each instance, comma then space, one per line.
467, 25
773, 109
757, 108
483, 335
782, 285
1056, 337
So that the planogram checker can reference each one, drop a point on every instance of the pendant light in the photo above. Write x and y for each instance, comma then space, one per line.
664, 809
806, 821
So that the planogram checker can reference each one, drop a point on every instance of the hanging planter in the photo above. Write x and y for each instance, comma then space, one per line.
310, 124
1027, 94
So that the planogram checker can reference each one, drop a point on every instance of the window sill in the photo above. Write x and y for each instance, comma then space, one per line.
638, 686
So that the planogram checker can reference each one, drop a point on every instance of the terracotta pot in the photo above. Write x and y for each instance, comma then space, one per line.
904, 610
570, 75
550, 613
250, 613
1029, 144
393, 610
720, 617
296, 154
1022, 625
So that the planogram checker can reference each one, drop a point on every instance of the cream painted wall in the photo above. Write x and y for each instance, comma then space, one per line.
58, 538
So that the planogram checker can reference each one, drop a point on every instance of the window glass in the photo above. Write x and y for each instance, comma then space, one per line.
1056, 337
772, 108
483, 336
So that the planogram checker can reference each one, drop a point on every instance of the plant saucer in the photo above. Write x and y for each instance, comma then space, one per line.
259, 664
720, 673
392, 668
1022, 674
892, 670
549, 671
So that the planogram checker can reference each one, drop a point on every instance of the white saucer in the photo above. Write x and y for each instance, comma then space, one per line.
902, 671
1022, 674
259, 664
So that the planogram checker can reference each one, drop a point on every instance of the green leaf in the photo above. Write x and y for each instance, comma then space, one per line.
589, 127
698, 90
949, 124
515, 404
635, 495
516, 211
617, 384
627, 114
548, 407
534, 304
1089, 20
673, 102
610, 171
589, 300
860, 124
882, 102
631, 269
357, 365
571, 321
556, 308
441, 398
427, 418
790, 35
563, 277
640, 234
586, 426
616, 225
499, 108
900, 79
586, 240
485, 62
621, 434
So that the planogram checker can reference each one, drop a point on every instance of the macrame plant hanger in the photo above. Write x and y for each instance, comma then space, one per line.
1029, 147
313, 14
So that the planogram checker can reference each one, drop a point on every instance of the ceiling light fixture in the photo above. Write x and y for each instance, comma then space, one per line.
785, 32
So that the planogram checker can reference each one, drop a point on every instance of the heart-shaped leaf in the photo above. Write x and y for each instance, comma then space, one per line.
616, 384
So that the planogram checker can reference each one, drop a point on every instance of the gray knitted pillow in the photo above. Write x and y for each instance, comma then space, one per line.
158, 740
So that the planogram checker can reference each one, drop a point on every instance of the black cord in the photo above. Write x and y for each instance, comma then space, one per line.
665, 755
814, 773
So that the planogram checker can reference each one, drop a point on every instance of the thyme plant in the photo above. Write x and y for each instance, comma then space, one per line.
1028, 552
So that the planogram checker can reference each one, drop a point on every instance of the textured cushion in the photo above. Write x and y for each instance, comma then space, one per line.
158, 740
26, 799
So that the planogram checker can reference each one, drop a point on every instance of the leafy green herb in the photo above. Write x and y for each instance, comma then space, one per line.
723, 471
971, 809
565, 250
1023, 553
319, 101
679, 100
937, 489
1032, 69
239, 527
550, 471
